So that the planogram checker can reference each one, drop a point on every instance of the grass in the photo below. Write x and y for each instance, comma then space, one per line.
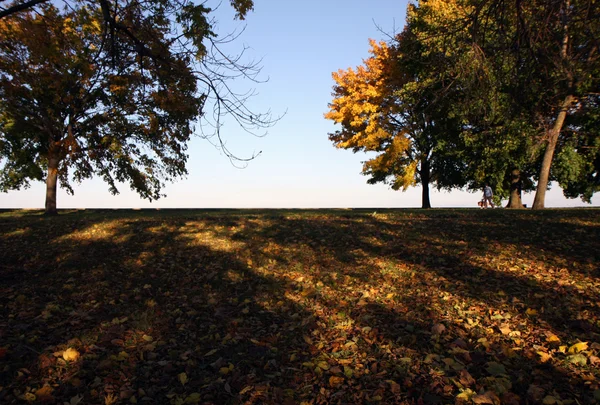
300, 306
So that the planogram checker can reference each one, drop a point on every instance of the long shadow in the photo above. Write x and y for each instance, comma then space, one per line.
552, 306
280, 308
158, 293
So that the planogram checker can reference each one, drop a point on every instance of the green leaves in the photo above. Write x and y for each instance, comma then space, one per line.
194, 18
495, 369
112, 89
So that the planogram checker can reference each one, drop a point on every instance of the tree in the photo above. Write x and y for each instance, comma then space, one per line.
112, 90
577, 166
538, 59
383, 108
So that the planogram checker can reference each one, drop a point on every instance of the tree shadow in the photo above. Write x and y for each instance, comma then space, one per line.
559, 303
392, 308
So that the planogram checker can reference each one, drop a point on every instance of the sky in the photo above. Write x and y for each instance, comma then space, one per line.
300, 44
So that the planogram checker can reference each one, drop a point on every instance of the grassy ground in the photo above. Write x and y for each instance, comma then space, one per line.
314, 307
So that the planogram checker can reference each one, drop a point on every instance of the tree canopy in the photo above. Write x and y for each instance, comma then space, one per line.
524, 68
112, 89
385, 106
498, 91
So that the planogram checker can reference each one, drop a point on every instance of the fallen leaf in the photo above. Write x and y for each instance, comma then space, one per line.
544, 357
578, 347
44, 394
466, 395
438, 329
483, 398
535, 392
193, 398
183, 378
335, 381
70, 354
210, 353
578, 359
466, 379
495, 369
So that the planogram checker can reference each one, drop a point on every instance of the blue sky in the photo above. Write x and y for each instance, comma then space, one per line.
301, 43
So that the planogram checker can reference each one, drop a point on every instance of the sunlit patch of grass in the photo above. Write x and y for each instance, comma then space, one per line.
105, 231
16, 233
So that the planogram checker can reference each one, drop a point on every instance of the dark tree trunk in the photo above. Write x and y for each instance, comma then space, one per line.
425, 177
51, 183
540, 194
514, 200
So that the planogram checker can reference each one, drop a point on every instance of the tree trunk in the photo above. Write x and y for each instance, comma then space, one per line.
51, 183
514, 200
540, 194
425, 176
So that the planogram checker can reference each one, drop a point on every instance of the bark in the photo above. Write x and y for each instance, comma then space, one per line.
515, 190
540, 194
553, 134
51, 183
425, 178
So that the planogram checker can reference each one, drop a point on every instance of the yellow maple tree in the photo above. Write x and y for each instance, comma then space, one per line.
362, 105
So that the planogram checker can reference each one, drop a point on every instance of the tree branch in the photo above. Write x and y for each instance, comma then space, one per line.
20, 7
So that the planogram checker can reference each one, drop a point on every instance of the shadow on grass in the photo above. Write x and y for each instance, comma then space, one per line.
286, 307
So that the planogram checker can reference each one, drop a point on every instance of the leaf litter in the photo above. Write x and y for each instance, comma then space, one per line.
307, 307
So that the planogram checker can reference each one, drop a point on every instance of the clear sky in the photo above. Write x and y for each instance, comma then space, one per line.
300, 43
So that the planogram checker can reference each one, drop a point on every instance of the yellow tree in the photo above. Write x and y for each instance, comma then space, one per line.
382, 108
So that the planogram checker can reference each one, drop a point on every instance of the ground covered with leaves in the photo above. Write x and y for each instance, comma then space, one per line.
300, 307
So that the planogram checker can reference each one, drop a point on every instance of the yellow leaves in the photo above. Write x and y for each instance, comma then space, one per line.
358, 102
93, 26
335, 381
193, 398
226, 370
437, 15
44, 394
183, 378
210, 353
488, 397
578, 347
123, 356
323, 365
544, 357
448, 10
68, 26
466, 395
70, 354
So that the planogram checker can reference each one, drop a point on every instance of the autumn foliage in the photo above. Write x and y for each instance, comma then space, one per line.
364, 106
306, 307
